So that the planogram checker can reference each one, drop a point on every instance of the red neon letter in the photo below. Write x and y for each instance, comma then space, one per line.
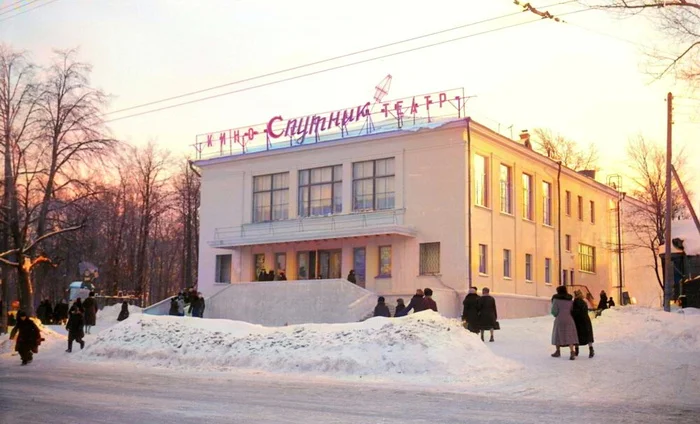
399, 108
443, 98
237, 137
428, 102
269, 130
385, 109
348, 117
222, 138
333, 119
414, 107
209, 139
251, 133
362, 111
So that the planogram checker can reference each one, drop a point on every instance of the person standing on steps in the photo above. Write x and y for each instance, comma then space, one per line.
90, 311
470, 313
488, 316
584, 328
75, 328
564, 328
351, 277
28, 337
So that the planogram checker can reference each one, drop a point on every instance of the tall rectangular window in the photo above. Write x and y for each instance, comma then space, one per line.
280, 265
321, 191
481, 180
373, 185
506, 263
527, 197
567, 207
528, 267
567, 242
546, 203
580, 208
429, 258
548, 270
586, 257
592, 212
565, 275
271, 197
506, 181
385, 261
359, 260
483, 268
223, 269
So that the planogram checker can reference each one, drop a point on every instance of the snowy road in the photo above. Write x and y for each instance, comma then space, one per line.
97, 393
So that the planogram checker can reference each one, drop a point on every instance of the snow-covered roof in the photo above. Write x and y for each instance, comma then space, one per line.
686, 230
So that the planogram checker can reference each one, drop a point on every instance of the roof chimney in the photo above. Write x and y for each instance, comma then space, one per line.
525, 138
590, 173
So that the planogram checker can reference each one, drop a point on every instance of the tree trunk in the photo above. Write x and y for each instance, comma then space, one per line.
24, 283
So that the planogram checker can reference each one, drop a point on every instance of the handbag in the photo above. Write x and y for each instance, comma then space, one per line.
497, 326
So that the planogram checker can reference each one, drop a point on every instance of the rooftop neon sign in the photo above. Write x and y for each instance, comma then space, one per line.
368, 118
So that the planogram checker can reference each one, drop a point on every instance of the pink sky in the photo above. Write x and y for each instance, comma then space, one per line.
588, 86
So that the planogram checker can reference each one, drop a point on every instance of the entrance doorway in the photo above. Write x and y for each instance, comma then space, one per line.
319, 264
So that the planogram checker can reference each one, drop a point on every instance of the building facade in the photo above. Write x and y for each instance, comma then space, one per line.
447, 207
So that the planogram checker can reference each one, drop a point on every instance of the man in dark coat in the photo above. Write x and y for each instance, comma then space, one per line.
197, 307
351, 277
90, 308
470, 313
400, 306
75, 328
381, 310
173, 307
61, 312
603, 304
488, 315
28, 337
428, 302
416, 304
584, 328
124, 313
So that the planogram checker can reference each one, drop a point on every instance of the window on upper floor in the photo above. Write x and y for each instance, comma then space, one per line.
483, 259
506, 263
580, 208
373, 185
321, 191
481, 181
223, 269
527, 197
429, 261
586, 258
506, 182
567, 204
271, 197
592, 212
547, 270
567, 242
546, 203
528, 267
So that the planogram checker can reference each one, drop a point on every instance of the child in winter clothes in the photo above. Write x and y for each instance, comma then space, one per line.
75, 328
28, 337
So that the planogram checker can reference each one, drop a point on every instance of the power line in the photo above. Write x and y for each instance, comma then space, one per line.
343, 56
7, 6
28, 10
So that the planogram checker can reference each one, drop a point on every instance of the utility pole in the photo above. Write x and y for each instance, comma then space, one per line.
668, 268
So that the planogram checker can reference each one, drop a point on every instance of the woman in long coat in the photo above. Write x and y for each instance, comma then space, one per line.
470, 314
90, 307
28, 337
584, 328
564, 329
124, 313
75, 328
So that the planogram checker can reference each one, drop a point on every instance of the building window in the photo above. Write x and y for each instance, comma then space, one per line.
506, 263
547, 270
271, 197
565, 275
528, 267
571, 273
568, 203
429, 258
546, 203
280, 265
481, 180
321, 191
260, 272
580, 208
586, 257
527, 197
567, 242
373, 185
384, 261
506, 189
359, 260
592, 212
483, 269
223, 269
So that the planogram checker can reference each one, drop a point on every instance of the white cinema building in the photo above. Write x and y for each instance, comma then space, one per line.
415, 195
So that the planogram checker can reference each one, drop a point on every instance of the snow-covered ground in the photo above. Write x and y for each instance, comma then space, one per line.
645, 359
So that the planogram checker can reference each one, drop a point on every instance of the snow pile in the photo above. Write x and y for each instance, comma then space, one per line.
423, 346
636, 325
110, 313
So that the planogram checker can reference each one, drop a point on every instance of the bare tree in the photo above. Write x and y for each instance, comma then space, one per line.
187, 186
647, 161
560, 148
679, 20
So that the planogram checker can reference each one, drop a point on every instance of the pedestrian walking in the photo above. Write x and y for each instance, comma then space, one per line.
28, 337
488, 315
564, 329
124, 313
584, 327
416, 303
470, 313
90, 312
75, 326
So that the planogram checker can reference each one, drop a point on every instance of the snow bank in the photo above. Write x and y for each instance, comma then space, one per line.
424, 346
110, 313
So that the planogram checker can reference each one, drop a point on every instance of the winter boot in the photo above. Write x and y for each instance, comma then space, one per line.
491, 339
482, 336
591, 352
576, 350
556, 354
69, 350
82, 344
572, 356
24, 362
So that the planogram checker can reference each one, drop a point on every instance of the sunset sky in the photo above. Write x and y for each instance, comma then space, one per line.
584, 78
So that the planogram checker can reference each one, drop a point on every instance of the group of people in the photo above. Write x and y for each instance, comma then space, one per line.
421, 301
479, 313
572, 324
270, 276
190, 297
49, 314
